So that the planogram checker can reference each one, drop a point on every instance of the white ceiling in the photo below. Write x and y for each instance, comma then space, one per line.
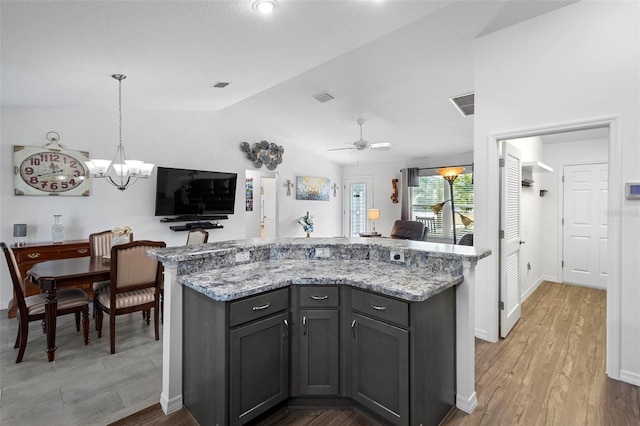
394, 63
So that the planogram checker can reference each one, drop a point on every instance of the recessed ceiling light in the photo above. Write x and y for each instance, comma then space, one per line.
265, 6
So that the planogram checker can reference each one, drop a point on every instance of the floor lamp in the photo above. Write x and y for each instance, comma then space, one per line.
450, 174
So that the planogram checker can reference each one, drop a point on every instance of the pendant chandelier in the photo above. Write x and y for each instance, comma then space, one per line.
120, 171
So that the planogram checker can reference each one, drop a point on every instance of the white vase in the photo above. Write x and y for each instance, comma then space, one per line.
57, 229
119, 239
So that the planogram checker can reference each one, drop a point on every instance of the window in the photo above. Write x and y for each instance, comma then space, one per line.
434, 190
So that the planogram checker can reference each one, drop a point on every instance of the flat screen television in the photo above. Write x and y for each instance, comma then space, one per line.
192, 193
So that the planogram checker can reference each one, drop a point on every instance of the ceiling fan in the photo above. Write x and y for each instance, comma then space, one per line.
362, 144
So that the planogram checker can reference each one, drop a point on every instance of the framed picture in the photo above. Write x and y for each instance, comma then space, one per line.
248, 188
312, 188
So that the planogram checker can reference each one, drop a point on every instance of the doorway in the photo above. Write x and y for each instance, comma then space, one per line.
584, 231
358, 199
562, 213
261, 204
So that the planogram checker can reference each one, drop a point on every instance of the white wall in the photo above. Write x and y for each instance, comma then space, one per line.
382, 190
578, 63
557, 155
183, 139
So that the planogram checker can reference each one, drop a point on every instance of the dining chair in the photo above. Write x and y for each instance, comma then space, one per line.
466, 240
134, 286
197, 236
31, 308
100, 245
409, 230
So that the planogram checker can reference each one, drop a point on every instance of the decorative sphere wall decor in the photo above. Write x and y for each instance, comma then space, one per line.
263, 153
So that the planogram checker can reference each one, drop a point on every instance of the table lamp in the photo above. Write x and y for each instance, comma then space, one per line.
373, 215
20, 232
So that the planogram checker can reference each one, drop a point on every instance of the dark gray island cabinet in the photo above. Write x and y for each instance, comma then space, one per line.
319, 345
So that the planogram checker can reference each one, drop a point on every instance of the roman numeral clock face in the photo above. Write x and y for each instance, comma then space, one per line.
40, 171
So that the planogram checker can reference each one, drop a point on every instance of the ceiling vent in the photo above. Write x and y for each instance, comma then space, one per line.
464, 103
220, 85
323, 97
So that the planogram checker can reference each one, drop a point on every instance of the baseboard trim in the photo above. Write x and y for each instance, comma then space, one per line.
172, 405
533, 288
467, 405
483, 334
630, 377
596, 287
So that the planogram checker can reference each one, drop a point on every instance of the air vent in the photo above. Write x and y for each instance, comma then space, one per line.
464, 103
220, 85
323, 97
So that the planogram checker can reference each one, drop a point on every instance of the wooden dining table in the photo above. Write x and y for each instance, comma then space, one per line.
55, 274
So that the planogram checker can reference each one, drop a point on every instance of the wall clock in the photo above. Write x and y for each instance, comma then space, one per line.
50, 170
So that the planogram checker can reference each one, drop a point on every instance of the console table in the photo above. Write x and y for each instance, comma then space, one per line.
32, 253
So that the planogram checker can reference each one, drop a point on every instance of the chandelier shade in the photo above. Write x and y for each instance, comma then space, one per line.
120, 172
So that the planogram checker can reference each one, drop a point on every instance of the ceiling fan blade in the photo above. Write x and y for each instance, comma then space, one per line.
382, 146
341, 149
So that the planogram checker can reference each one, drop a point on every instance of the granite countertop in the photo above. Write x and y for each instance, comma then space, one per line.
182, 253
408, 283
233, 269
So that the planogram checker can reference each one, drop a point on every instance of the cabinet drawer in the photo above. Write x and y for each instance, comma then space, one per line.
259, 306
380, 307
319, 296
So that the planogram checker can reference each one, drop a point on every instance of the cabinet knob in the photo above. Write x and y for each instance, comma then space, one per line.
353, 329
285, 333
33, 255
304, 326
82, 251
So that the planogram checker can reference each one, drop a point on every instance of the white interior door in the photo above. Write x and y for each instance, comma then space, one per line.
584, 243
357, 201
269, 207
510, 181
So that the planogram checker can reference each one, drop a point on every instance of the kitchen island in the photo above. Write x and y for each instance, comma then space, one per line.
384, 324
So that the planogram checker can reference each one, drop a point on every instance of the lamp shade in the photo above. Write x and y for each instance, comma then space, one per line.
437, 208
19, 230
373, 214
450, 173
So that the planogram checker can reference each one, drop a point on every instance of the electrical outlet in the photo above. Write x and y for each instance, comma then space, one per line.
323, 252
396, 256
242, 256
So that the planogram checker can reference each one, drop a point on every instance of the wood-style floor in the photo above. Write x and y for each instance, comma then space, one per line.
549, 371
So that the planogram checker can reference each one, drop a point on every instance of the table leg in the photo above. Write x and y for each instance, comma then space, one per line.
50, 313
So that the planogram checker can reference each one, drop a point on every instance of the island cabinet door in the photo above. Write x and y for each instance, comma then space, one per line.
259, 361
319, 351
380, 368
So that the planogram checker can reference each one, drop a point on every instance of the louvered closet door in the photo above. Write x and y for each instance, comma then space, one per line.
510, 183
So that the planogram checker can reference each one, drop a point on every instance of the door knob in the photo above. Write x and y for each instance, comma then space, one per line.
521, 242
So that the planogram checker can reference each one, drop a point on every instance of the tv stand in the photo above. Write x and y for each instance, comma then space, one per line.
195, 225
194, 218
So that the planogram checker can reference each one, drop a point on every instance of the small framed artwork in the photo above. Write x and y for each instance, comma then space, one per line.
312, 188
248, 188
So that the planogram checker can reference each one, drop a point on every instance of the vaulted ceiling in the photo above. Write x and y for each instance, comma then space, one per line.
393, 63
